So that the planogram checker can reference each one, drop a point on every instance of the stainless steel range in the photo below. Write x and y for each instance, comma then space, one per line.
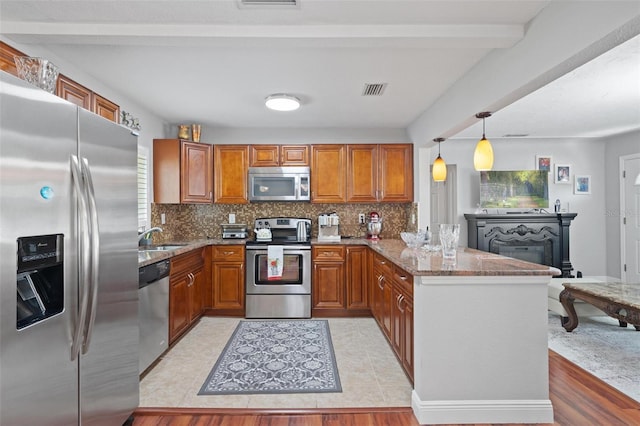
279, 269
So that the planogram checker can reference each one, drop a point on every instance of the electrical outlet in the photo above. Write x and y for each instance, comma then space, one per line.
361, 218
163, 219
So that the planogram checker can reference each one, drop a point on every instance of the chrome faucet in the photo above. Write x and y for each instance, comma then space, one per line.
145, 235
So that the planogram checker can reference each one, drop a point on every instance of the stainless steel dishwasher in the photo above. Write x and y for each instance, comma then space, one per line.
153, 311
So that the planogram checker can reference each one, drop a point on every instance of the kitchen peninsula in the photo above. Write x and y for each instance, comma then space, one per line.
479, 331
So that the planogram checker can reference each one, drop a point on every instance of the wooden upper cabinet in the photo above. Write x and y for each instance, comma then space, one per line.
231, 163
66, 88
294, 155
264, 155
105, 108
196, 174
379, 173
7, 63
395, 177
182, 171
328, 170
73, 92
278, 155
362, 173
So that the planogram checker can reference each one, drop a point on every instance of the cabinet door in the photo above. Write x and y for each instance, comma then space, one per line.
328, 169
328, 285
105, 108
196, 293
395, 173
73, 92
178, 306
196, 173
407, 341
230, 173
264, 156
397, 322
228, 285
385, 305
356, 278
294, 155
362, 173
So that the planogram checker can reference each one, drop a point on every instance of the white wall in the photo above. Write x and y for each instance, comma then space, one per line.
616, 147
587, 249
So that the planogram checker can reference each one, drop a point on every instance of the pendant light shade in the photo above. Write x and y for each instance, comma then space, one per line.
439, 169
483, 155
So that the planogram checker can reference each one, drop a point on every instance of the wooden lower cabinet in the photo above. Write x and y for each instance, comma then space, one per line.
186, 288
339, 281
381, 293
327, 280
228, 280
356, 273
392, 306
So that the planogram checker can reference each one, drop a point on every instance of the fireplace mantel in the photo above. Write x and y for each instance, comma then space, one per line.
545, 234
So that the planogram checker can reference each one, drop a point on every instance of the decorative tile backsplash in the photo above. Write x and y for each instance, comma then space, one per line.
194, 221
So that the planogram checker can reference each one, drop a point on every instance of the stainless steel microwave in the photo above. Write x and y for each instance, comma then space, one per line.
279, 184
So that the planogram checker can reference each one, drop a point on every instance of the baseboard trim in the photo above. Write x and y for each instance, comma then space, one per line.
481, 411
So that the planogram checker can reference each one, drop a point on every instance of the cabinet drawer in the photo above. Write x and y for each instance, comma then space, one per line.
328, 253
231, 252
381, 263
187, 262
404, 280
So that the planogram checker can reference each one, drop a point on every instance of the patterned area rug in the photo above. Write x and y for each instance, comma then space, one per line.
283, 356
601, 347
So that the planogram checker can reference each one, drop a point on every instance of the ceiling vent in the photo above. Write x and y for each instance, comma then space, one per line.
374, 89
268, 2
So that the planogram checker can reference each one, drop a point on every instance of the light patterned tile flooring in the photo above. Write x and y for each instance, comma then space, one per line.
369, 371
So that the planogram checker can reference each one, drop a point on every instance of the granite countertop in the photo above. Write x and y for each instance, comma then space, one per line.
148, 257
469, 262
418, 262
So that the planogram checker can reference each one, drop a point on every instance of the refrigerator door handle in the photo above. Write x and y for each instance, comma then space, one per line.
95, 253
83, 257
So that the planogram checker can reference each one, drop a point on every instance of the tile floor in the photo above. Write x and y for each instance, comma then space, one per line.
369, 371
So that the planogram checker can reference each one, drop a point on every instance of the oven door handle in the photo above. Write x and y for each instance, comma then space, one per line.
286, 252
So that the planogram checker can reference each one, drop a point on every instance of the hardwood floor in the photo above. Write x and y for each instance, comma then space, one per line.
578, 398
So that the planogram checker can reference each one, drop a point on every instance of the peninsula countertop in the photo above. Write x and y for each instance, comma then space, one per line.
418, 262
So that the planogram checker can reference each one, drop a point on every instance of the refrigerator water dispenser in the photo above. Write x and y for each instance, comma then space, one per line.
39, 282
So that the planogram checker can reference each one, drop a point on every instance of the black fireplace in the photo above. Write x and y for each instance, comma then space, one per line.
534, 237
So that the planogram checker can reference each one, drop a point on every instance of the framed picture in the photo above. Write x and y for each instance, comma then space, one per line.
562, 174
582, 184
543, 162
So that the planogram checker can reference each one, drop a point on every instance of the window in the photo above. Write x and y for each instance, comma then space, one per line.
143, 178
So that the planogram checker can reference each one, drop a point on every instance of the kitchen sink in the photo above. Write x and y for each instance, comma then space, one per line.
161, 247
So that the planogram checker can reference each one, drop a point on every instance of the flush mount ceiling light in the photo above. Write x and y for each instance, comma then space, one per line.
439, 169
282, 102
483, 155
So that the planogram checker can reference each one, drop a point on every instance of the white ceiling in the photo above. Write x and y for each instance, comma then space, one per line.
214, 62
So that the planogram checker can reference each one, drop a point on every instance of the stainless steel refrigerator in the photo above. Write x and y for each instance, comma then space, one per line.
68, 253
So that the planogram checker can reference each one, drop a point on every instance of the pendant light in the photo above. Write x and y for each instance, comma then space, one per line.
439, 169
483, 155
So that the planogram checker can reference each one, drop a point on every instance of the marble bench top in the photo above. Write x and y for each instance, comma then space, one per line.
611, 289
